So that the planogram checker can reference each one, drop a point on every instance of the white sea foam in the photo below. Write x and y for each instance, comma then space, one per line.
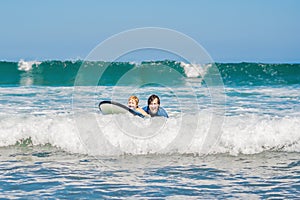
121, 134
27, 65
254, 122
254, 134
56, 130
195, 70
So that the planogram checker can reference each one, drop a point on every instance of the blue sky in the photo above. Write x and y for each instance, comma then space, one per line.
230, 31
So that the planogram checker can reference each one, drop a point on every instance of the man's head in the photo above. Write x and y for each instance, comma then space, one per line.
153, 103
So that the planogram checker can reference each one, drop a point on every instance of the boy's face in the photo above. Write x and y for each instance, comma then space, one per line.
132, 104
153, 106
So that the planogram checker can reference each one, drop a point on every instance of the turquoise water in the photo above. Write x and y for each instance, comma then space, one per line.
237, 140
63, 73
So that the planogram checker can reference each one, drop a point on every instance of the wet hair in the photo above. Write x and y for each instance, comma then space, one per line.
152, 97
134, 98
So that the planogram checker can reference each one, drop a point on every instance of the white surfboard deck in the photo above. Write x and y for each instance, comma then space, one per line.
112, 107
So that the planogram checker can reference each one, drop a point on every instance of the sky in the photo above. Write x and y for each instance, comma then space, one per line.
230, 31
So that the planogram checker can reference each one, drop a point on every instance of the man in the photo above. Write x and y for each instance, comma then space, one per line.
154, 108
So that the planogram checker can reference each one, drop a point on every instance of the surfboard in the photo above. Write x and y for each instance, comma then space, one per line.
112, 107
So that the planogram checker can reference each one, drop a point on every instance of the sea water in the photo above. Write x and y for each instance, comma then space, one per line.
242, 143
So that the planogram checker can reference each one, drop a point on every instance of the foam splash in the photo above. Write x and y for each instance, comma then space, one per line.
240, 135
27, 65
195, 70
254, 134
57, 130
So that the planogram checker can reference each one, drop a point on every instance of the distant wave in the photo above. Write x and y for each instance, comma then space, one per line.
63, 73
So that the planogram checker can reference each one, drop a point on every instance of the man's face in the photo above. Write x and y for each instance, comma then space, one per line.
153, 106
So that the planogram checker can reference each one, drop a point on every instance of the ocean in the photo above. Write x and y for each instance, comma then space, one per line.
232, 131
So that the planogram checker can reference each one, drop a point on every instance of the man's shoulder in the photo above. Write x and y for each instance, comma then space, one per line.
145, 108
162, 112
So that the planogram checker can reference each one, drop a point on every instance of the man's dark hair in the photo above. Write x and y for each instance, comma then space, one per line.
152, 97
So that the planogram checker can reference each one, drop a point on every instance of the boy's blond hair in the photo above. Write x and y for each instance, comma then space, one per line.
135, 98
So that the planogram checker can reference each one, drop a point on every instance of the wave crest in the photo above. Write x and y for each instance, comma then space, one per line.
248, 135
27, 65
